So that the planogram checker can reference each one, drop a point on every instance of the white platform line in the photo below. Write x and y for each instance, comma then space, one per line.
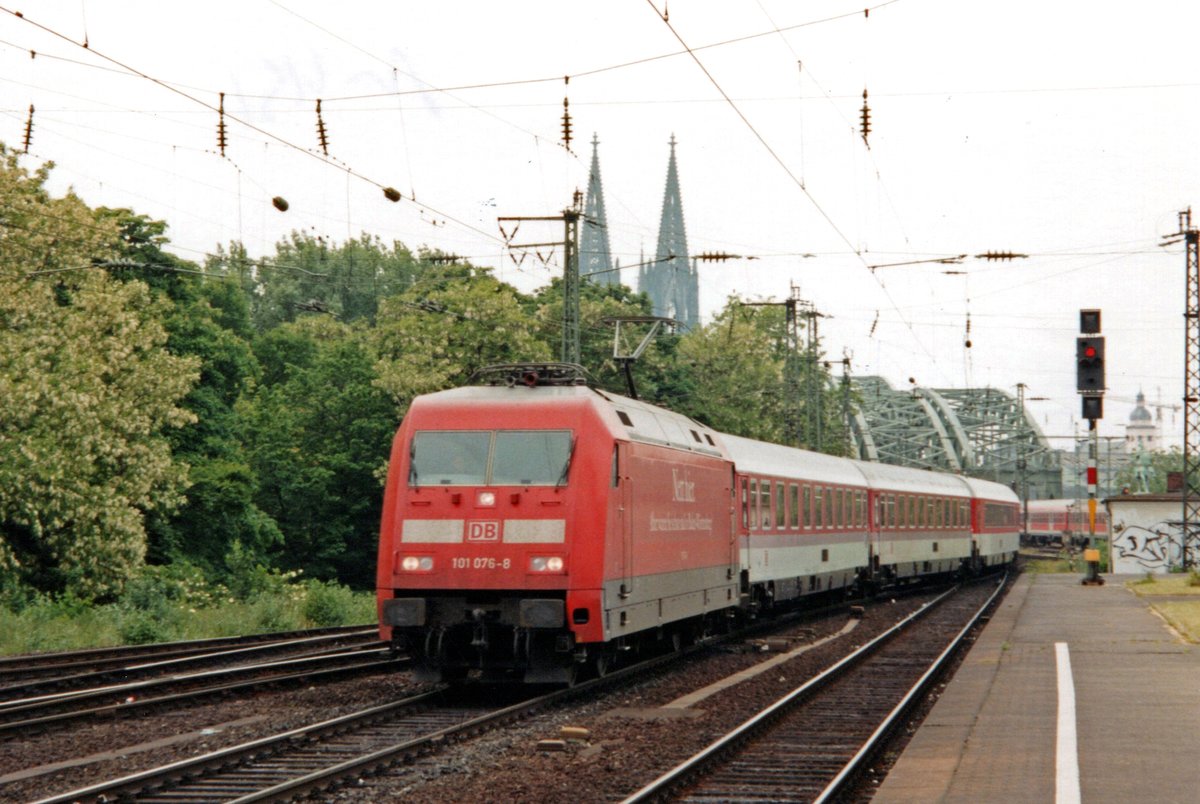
1066, 787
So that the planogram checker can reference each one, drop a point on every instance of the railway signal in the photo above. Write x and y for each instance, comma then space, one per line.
1089, 365
1089, 381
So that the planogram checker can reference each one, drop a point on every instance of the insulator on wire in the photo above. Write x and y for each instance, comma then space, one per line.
280, 203
566, 123
865, 118
391, 193
28, 131
1000, 256
322, 138
221, 124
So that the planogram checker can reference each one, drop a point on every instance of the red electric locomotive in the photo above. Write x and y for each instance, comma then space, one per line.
535, 525
524, 532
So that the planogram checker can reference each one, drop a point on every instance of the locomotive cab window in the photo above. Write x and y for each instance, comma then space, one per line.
490, 458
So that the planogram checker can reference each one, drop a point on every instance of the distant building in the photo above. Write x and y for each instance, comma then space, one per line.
595, 256
1142, 432
672, 281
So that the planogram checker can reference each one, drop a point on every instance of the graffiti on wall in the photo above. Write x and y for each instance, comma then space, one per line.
1153, 548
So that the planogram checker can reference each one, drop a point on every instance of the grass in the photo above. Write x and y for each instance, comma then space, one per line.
46, 625
1174, 584
1183, 615
1063, 563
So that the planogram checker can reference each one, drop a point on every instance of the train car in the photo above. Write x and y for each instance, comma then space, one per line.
802, 521
534, 526
995, 521
1060, 522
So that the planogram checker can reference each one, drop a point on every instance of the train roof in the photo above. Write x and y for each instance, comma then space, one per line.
625, 417
759, 457
889, 477
641, 421
988, 489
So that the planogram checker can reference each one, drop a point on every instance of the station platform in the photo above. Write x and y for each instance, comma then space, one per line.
1003, 728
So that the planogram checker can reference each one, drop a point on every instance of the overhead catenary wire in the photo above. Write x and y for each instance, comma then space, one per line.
241, 121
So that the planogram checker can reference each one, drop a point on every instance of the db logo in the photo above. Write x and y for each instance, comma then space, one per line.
483, 530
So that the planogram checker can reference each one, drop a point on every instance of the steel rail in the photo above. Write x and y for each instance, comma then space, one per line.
682, 774
840, 782
159, 664
310, 667
239, 756
26, 663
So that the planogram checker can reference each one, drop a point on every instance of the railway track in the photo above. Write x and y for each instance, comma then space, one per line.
810, 745
316, 757
39, 712
22, 674
327, 754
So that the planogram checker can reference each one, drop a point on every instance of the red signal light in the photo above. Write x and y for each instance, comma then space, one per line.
1089, 351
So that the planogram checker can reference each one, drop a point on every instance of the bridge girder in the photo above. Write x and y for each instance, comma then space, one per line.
982, 432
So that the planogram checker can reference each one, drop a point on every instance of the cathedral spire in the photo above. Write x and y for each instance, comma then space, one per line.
595, 255
671, 280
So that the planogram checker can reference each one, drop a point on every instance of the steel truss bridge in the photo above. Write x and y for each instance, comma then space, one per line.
980, 432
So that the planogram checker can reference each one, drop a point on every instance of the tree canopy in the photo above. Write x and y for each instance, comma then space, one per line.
241, 412
88, 391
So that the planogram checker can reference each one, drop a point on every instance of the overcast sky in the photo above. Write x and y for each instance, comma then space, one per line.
1062, 130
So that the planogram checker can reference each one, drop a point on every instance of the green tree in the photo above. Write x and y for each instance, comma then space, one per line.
743, 375
450, 323
1155, 465
736, 373
208, 321
311, 274
319, 434
87, 391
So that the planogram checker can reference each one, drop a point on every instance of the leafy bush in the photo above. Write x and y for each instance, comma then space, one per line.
275, 613
328, 604
140, 627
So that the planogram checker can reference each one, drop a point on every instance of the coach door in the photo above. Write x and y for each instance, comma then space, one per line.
625, 481
876, 508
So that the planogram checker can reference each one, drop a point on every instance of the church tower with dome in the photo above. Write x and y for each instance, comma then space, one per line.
1142, 432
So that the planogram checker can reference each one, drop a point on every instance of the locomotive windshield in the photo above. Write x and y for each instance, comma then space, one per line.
490, 457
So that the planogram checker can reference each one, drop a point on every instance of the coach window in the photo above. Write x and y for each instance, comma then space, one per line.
830, 502
793, 506
807, 495
745, 503
764, 502
816, 507
753, 504
780, 505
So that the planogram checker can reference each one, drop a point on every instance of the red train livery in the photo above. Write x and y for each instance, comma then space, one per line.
537, 526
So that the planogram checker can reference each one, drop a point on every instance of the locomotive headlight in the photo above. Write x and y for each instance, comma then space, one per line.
416, 563
546, 564
486, 499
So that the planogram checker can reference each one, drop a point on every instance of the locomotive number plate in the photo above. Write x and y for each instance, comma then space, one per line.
480, 563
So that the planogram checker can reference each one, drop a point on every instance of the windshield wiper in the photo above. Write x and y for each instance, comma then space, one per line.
566, 465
